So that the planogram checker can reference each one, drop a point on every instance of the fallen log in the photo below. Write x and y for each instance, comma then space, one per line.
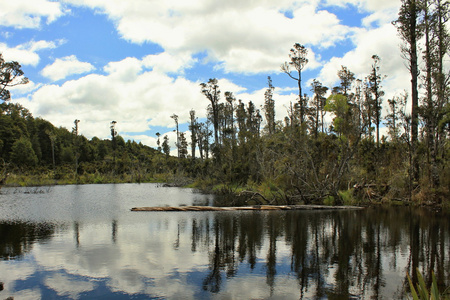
254, 208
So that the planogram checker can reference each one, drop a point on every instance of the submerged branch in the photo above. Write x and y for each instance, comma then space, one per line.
254, 207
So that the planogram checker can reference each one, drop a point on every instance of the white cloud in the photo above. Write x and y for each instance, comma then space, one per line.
29, 14
6, 34
366, 5
125, 70
144, 139
166, 63
26, 54
380, 11
24, 89
282, 101
235, 36
246, 36
381, 41
66, 66
135, 98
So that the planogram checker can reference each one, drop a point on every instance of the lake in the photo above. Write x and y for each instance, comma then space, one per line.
83, 242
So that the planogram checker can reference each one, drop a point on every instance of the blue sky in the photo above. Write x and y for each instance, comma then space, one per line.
140, 61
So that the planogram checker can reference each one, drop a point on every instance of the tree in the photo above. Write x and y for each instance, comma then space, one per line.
229, 116
175, 118
347, 77
367, 106
183, 146
158, 141
435, 14
319, 102
428, 108
394, 117
212, 92
297, 63
339, 106
193, 127
22, 153
374, 81
253, 119
113, 140
203, 134
11, 74
269, 107
52, 136
241, 117
441, 77
359, 103
75, 144
410, 33
166, 146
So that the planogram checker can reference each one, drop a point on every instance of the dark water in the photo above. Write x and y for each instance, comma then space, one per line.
82, 242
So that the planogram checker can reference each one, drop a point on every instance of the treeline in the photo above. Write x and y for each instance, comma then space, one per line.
305, 159
31, 145
302, 158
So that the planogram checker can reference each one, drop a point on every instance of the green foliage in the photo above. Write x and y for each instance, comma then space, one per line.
420, 290
338, 105
37, 152
165, 146
67, 155
22, 153
295, 161
347, 197
328, 200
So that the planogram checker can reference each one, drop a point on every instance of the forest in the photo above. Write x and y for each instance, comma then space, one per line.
249, 151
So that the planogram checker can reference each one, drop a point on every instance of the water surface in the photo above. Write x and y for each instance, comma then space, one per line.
83, 242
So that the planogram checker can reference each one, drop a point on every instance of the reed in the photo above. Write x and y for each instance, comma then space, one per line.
421, 292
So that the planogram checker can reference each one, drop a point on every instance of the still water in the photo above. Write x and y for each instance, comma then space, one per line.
83, 242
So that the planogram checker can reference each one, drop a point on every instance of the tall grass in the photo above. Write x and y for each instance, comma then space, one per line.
420, 291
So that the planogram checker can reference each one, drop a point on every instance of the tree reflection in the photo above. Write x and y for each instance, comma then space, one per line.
17, 238
327, 254
213, 281
333, 254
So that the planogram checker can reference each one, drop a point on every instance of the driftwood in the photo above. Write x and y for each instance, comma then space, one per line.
254, 208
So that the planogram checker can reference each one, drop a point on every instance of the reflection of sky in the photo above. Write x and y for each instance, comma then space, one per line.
14, 271
139, 262
66, 286
89, 203
142, 259
99, 247
138, 253
133, 256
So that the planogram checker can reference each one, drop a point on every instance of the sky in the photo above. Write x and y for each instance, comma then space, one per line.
137, 62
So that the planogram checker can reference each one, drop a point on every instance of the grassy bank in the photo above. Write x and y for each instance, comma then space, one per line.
50, 178
269, 193
251, 193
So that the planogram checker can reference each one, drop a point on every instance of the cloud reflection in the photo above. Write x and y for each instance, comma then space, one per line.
68, 287
232, 255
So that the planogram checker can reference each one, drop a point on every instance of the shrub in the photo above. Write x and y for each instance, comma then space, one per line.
347, 197
328, 200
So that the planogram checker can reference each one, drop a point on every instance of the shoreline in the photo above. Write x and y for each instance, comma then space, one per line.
239, 196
